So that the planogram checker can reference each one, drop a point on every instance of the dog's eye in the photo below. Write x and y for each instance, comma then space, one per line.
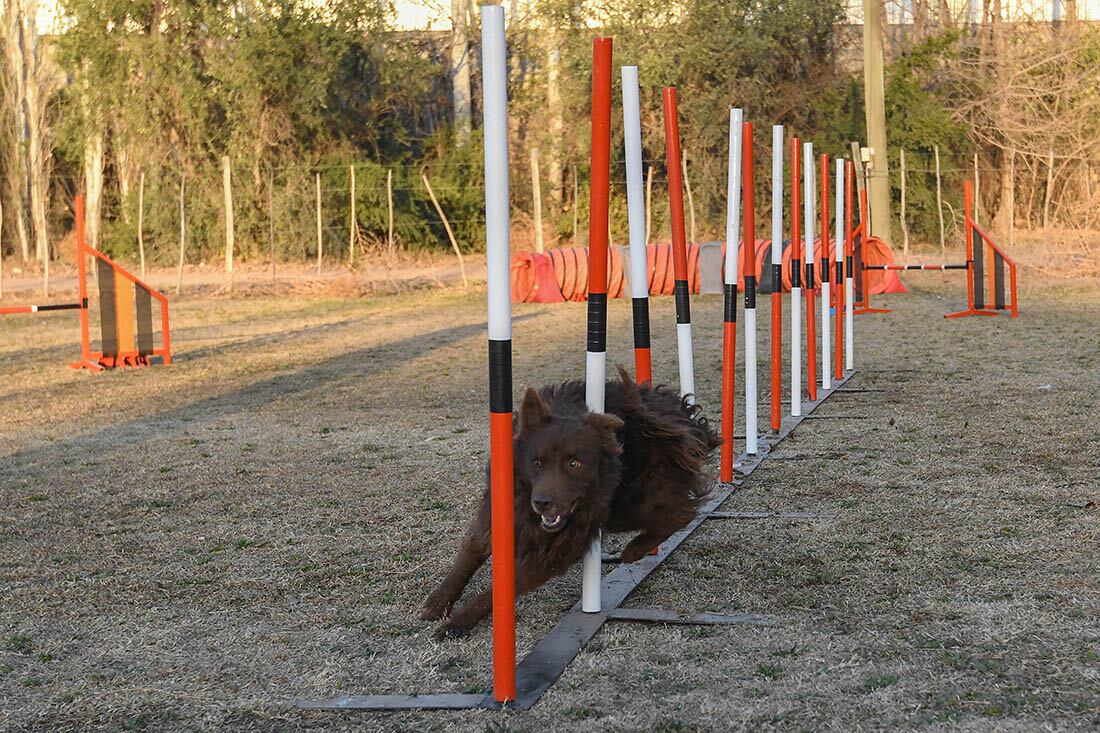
537, 464
574, 463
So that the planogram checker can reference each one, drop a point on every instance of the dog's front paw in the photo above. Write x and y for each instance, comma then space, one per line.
434, 610
451, 630
632, 553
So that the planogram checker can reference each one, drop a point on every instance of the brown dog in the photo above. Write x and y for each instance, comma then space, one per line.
635, 468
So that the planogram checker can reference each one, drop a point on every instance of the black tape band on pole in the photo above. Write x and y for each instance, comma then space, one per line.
750, 291
683, 305
796, 273
597, 322
777, 278
729, 310
500, 376
641, 323
59, 307
810, 276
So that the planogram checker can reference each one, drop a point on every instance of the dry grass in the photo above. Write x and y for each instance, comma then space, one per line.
198, 546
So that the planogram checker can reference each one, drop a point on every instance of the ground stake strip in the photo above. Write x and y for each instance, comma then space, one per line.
542, 667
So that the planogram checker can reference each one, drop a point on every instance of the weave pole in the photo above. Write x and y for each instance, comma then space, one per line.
596, 358
679, 245
729, 294
849, 282
838, 253
796, 283
811, 318
498, 264
748, 204
777, 278
826, 290
635, 199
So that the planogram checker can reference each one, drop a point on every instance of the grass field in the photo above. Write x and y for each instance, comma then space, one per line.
196, 547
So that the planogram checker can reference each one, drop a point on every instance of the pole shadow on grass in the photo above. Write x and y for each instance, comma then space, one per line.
132, 434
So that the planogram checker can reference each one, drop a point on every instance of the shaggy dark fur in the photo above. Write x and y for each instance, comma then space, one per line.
635, 468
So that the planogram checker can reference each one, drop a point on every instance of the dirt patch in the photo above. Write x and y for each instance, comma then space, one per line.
198, 546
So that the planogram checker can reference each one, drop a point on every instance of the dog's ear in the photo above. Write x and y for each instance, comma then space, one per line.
607, 424
533, 412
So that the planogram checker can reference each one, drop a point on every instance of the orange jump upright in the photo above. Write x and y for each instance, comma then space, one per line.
125, 309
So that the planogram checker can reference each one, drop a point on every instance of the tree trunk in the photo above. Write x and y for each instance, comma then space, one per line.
93, 186
15, 98
35, 99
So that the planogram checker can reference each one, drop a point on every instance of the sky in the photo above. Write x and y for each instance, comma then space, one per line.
435, 14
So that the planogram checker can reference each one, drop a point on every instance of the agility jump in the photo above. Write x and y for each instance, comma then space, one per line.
978, 277
125, 312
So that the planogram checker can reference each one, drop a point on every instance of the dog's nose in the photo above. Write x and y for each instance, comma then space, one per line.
541, 503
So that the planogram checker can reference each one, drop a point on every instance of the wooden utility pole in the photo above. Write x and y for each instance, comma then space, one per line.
875, 111
227, 188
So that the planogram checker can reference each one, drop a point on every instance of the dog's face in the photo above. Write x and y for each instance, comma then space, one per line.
562, 458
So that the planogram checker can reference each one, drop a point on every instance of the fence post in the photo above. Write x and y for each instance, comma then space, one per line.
227, 187
904, 224
271, 225
447, 226
389, 204
141, 221
691, 202
353, 224
320, 241
939, 207
648, 200
1049, 192
183, 235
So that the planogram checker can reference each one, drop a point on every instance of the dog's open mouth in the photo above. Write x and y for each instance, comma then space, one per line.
554, 522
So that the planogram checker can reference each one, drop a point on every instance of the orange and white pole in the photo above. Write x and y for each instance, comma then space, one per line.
826, 287
811, 318
679, 245
729, 294
777, 278
595, 375
494, 72
748, 214
796, 281
849, 282
838, 253
635, 199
